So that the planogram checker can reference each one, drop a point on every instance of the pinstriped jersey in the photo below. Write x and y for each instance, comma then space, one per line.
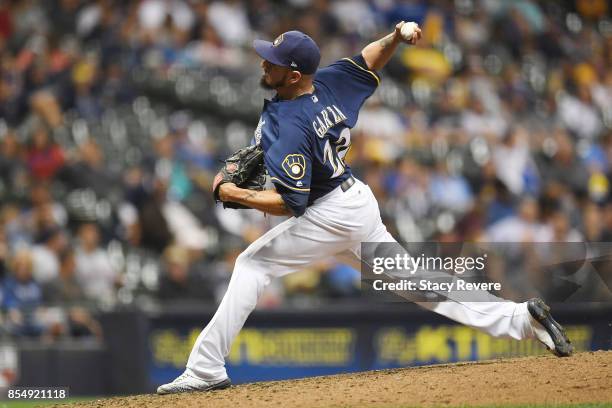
306, 139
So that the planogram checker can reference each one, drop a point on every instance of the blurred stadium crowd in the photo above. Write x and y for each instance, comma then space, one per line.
114, 114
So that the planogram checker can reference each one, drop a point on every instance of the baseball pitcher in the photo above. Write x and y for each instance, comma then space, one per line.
303, 135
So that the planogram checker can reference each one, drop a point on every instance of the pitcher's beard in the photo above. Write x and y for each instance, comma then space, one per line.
265, 85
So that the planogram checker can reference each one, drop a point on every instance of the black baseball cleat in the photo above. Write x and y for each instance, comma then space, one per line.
540, 311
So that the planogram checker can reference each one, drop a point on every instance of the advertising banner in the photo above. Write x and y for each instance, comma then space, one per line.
294, 344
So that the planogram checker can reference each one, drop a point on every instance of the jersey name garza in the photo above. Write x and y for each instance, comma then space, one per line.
330, 116
306, 139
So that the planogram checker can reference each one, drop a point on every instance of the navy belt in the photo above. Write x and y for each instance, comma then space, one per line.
348, 183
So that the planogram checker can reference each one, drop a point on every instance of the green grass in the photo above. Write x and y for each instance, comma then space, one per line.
42, 403
593, 405
587, 405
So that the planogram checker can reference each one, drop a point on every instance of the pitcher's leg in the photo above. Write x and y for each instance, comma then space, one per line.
207, 358
497, 317
288, 247
249, 278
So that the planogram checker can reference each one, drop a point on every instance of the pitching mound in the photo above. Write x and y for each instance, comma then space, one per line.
583, 378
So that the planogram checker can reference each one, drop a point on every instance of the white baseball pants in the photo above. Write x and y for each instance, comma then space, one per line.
335, 225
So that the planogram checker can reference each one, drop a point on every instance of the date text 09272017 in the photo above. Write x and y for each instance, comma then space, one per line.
34, 393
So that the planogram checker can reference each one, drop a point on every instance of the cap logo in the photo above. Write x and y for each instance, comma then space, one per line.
278, 40
293, 64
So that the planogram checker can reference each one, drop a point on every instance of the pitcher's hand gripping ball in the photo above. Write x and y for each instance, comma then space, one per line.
409, 32
245, 168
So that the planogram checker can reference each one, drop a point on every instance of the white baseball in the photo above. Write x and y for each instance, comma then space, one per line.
408, 30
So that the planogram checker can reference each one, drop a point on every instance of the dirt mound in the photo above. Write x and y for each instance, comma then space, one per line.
585, 377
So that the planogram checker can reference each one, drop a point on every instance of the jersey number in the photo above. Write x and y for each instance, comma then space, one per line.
336, 152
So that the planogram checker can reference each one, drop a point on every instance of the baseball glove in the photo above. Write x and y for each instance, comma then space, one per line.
245, 168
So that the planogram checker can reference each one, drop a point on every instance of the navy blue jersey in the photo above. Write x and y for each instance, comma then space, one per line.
306, 139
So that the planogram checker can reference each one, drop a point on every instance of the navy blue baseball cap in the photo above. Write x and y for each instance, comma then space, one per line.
292, 49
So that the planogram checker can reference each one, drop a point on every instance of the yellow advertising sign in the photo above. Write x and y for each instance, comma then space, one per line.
393, 346
397, 346
286, 347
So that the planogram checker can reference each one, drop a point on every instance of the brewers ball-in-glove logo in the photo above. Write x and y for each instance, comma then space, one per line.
295, 166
